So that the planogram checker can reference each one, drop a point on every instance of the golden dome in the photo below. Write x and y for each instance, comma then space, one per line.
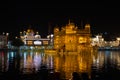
29, 30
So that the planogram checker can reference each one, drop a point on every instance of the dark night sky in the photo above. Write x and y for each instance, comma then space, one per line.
19, 16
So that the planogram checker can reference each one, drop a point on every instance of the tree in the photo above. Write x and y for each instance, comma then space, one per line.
17, 42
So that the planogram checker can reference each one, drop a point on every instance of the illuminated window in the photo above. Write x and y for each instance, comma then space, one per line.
45, 42
29, 42
37, 42
82, 40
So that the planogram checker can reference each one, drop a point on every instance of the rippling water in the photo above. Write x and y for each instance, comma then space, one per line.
37, 65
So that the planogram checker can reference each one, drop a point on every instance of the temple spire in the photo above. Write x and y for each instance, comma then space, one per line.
69, 21
81, 23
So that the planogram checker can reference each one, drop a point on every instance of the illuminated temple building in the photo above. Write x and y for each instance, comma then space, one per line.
33, 39
71, 38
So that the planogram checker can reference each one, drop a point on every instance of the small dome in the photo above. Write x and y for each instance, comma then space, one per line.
87, 25
37, 36
29, 30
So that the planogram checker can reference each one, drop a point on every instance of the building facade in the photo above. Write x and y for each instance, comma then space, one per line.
70, 38
99, 42
3, 41
33, 39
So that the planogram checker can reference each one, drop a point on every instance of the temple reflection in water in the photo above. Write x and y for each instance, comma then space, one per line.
66, 64
30, 62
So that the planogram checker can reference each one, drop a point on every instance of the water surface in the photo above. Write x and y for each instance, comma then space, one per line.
37, 65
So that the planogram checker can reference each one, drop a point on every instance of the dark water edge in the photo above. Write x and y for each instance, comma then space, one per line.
45, 75
109, 74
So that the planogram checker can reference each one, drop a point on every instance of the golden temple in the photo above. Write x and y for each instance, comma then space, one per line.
70, 38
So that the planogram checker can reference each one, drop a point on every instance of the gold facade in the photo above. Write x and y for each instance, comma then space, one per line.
70, 38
